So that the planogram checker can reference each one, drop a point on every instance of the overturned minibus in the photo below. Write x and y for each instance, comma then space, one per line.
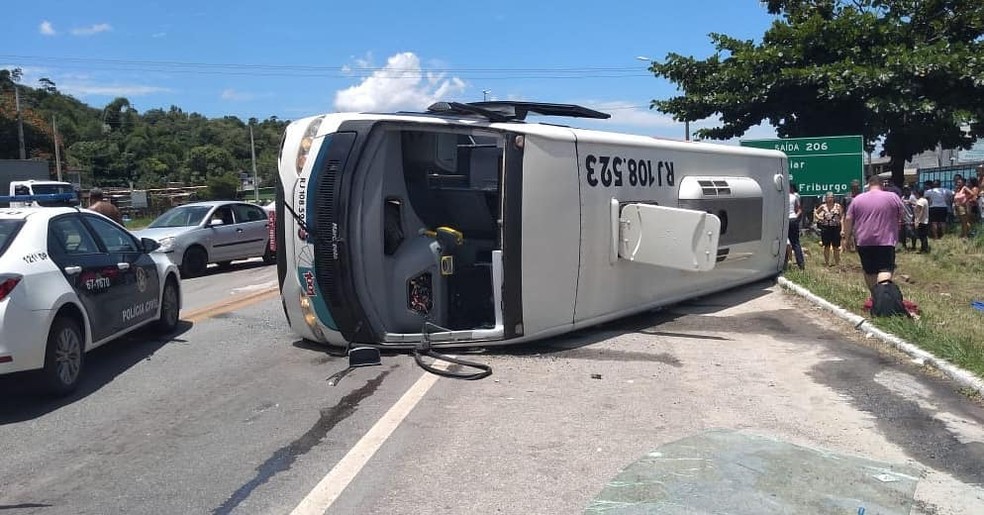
465, 225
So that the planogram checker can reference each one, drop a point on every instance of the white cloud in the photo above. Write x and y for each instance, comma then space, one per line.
237, 96
91, 29
46, 28
158, 35
401, 84
111, 90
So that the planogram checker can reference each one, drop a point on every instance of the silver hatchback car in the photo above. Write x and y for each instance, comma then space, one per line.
196, 234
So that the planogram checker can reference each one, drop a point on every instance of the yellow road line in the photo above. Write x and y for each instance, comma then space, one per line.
225, 306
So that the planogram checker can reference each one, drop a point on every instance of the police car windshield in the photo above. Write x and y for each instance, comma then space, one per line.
8, 229
185, 216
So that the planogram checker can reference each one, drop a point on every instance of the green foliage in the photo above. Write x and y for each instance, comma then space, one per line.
222, 186
115, 144
910, 72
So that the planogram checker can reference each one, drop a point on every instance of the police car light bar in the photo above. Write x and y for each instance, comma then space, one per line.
51, 197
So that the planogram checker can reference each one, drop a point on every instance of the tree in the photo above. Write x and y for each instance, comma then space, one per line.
222, 186
909, 72
209, 160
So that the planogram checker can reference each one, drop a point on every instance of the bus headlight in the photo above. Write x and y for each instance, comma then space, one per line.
309, 317
306, 142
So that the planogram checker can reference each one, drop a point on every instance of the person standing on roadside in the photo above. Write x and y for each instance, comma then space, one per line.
890, 186
828, 216
873, 218
973, 202
855, 191
907, 229
104, 207
921, 217
937, 208
961, 205
795, 215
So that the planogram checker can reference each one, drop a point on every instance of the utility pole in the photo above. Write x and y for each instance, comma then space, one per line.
20, 123
485, 94
252, 148
686, 128
54, 131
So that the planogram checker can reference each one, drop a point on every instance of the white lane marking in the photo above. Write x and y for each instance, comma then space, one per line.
331, 486
254, 287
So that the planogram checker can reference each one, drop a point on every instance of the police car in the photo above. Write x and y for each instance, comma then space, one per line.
71, 280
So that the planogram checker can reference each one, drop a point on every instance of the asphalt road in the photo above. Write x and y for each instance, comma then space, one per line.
234, 414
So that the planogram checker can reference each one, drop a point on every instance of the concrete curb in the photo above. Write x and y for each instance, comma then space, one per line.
962, 377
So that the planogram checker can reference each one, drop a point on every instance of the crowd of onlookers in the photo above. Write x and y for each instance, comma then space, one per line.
929, 212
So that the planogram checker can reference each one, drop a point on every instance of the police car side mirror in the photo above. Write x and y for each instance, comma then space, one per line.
149, 245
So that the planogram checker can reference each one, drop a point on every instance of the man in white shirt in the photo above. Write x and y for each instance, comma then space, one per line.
936, 197
795, 214
921, 218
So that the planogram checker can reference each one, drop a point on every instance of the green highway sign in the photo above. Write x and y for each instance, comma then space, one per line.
819, 165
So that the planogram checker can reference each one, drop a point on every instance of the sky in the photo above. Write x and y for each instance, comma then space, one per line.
294, 59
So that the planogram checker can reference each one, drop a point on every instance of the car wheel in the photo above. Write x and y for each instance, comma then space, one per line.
64, 356
170, 307
269, 257
194, 262
225, 264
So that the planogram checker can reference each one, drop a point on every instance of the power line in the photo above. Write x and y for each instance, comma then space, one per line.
275, 70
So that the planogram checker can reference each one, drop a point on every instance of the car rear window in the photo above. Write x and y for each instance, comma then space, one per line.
8, 230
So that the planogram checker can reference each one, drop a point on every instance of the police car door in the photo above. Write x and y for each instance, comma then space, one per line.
139, 296
90, 271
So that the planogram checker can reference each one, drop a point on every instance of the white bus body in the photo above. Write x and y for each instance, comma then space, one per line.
480, 231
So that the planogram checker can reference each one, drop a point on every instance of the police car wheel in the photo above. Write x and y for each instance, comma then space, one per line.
64, 356
169, 308
269, 257
194, 262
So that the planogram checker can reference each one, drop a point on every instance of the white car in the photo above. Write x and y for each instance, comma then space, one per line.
196, 234
70, 281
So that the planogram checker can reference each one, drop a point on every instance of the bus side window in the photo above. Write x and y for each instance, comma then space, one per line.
392, 225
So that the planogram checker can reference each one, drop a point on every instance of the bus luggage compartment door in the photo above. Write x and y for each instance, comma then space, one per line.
681, 239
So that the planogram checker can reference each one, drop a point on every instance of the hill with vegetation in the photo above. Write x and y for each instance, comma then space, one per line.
115, 144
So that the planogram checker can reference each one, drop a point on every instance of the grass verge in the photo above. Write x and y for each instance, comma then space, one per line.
140, 222
943, 283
